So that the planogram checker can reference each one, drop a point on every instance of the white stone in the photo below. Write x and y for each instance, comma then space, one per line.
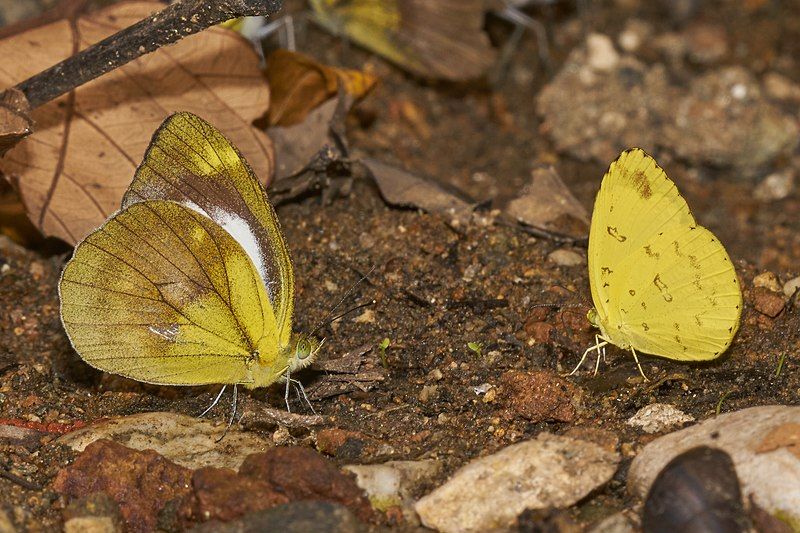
762, 441
564, 257
791, 286
490, 492
776, 186
186, 440
602, 56
658, 417
90, 524
393, 483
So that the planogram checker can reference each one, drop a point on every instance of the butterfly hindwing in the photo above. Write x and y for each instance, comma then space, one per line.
679, 296
162, 294
190, 162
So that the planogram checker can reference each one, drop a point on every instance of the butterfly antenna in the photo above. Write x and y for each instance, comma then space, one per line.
347, 293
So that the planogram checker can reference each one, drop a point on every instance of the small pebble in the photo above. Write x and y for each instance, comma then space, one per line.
791, 286
564, 257
767, 280
658, 417
776, 186
601, 53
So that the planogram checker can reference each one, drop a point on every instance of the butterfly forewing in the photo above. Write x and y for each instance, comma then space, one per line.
162, 294
678, 296
636, 201
192, 163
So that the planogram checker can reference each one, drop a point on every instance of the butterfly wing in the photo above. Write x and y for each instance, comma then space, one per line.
678, 296
432, 38
162, 294
190, 162
636, 201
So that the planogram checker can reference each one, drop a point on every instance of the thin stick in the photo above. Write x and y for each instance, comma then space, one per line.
173, 23
21, 481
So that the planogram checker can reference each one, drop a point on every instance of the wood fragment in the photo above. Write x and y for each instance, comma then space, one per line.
176, 21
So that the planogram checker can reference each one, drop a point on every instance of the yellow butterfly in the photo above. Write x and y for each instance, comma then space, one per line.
661, 283
190, 283
431, 38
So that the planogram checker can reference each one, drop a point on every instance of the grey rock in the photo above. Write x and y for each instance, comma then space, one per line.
186, 440
762, 441
658, 417
395, 483
490, 492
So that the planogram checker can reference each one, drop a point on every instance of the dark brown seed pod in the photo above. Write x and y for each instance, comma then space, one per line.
698, 491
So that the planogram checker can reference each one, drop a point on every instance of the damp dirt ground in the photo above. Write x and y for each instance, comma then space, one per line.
440, 286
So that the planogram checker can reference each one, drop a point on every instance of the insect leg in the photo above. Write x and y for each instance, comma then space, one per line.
233, 413
216, 400
597, 346
286, 394
636, 358
301, 390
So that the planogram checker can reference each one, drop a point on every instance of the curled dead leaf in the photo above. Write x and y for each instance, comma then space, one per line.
71, 175
402, 188
547, 203
299, 84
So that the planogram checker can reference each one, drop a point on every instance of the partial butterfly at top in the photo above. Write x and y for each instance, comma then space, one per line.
439, 39
661, 283
190, 283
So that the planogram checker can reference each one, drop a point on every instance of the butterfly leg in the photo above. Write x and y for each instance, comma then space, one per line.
636, 358
286, 394
301, 390
233, 413
597, 346
216, 400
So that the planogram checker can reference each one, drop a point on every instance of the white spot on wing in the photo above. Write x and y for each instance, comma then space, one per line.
169, 333
242, 233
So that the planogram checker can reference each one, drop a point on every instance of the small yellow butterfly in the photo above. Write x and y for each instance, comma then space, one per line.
190, 283
661, 283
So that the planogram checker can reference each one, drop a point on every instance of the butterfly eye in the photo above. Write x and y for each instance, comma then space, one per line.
592, 316
303, 349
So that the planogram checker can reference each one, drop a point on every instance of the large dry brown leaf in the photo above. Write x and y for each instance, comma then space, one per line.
72, 173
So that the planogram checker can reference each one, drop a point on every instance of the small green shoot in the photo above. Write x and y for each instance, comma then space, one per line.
780, 364
476, 347
719, 403
382, 347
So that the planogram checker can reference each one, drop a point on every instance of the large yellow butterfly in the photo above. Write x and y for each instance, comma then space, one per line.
661, 283
190, 283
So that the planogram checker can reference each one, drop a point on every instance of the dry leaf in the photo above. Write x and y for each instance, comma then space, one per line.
405, 189
72, 173
296, 145
546, 202
15, 119
299, 84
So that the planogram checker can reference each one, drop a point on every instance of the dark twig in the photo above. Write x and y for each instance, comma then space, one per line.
179, 20
21, 481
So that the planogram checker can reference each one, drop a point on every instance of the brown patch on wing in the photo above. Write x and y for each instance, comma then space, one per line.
641, 184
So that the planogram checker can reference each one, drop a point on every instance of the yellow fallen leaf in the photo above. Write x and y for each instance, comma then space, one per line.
72, 172
299, 84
